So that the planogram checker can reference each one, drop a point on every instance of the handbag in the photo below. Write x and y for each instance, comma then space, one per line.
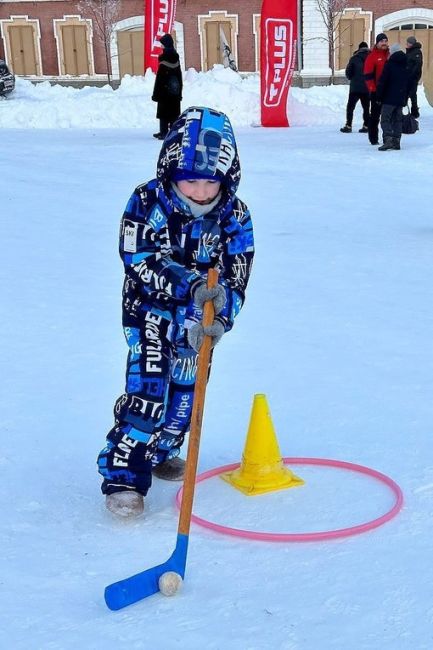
410, 123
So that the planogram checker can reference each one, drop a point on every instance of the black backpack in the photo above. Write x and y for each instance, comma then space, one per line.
173, 86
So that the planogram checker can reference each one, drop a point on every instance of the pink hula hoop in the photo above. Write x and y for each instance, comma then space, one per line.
305, 537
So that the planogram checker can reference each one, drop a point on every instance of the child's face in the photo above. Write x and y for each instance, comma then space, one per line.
201, 191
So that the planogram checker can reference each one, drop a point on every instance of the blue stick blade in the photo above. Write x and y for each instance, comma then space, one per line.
141, 585
128, 591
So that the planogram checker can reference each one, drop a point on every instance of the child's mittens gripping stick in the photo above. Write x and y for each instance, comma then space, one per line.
202, 294
197, 332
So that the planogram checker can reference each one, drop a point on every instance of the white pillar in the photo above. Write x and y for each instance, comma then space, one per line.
315, 48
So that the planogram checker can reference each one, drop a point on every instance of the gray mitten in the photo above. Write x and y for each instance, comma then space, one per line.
217, 294
196, 334
216, 330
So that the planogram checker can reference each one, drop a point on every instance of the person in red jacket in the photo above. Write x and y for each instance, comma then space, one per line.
373, 68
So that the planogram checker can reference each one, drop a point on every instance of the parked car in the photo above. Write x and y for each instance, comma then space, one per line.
7, 79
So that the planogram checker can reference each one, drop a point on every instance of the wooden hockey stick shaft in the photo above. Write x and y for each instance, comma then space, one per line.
197, 413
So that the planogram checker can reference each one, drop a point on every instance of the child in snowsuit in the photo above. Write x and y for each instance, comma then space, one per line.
174, 229
392, 92
358, 89
167, 91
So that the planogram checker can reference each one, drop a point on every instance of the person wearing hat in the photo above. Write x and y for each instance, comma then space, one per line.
358, 90
392, 91
373, 68
167, 91
414, 64
174, 229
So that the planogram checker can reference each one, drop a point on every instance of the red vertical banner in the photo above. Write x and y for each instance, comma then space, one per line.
158, 20
278, 43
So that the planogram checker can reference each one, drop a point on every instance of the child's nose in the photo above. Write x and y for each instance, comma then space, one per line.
201, 193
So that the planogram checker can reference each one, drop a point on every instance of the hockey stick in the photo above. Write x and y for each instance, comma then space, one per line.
139, 586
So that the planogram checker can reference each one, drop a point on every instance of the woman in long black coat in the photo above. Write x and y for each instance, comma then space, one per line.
168, 87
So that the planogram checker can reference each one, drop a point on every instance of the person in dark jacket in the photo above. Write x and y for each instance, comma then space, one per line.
167, 91
358, 90
393, 91
414, 64
174, 229
373, 68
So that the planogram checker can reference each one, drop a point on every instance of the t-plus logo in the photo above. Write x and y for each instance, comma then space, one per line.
162, 12
279, 58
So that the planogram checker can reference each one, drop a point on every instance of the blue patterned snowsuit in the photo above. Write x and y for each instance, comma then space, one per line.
166, 253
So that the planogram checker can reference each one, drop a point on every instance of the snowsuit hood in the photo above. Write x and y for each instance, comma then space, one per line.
201, 141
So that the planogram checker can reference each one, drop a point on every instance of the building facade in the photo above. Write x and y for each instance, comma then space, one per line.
58, 39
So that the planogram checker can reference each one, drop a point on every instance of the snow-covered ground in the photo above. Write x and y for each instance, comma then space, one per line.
336, 331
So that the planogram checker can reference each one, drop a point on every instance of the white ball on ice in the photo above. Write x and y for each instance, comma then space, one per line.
169, 583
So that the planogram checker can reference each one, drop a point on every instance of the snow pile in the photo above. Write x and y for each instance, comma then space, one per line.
43, 106
130, 106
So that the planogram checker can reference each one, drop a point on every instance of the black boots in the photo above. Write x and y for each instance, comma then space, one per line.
389, 144
348, 129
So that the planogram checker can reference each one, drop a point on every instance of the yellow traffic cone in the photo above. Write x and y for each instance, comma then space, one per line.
262, 468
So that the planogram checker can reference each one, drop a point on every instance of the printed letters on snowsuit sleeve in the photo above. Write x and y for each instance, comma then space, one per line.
145, 250
237, 261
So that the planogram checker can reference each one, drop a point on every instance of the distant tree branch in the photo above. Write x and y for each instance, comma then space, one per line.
104, 14
331, 12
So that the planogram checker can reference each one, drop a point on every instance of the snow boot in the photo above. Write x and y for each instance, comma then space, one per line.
363, 129
396, 143
346, 129
126, 503
170, 470
388, 144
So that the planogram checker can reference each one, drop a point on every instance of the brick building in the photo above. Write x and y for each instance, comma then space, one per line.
56, 39
398, 19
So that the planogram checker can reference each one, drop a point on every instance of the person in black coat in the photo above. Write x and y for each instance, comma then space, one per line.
414, 64
358, 90
167, 91
392, 92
